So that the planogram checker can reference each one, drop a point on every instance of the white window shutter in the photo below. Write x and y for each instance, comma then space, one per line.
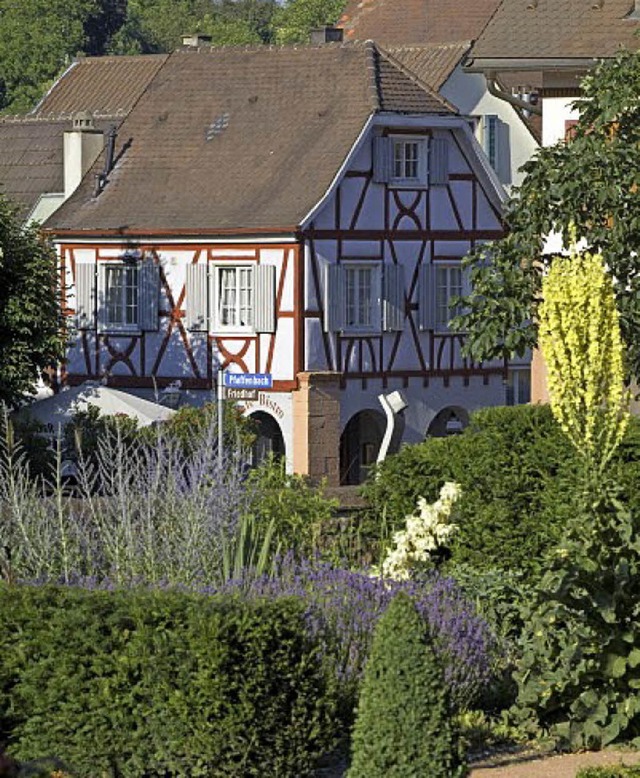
439, 161
427, 297
85, 295
196, 297
393, 298
334, 298
264, 298
381, 159
148, 295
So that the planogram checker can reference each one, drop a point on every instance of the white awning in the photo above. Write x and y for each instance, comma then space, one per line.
58, 410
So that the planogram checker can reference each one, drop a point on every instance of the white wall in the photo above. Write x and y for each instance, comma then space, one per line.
557, 110
468, 92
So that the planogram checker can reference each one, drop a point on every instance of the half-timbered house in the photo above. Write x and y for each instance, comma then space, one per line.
297, 212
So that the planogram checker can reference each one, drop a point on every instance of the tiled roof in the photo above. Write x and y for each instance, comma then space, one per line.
538, 29
432, 63
235, 138
31, 146
30, 160
101, 85
397, 22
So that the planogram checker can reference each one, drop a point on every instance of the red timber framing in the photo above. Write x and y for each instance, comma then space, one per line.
407, 216
141, 358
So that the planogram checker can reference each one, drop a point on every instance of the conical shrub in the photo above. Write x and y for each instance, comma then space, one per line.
403, 727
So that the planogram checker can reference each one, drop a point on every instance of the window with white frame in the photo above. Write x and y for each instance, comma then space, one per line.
409, 161
121, 292
448, 284
362, 297
228, 297
233, 303
518, 387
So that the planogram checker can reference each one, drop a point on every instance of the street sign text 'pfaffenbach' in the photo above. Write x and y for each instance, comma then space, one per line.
248, 380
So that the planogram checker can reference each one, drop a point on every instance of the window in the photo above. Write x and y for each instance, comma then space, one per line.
409, 163
490, 130
233, 297
362, 297
405, 159
121, 296
518, 387
448, 284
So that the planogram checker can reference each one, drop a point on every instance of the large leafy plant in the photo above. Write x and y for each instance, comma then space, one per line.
580, 673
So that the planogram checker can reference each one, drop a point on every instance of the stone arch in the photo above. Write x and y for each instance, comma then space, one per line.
451, 420
269, 437
359, 445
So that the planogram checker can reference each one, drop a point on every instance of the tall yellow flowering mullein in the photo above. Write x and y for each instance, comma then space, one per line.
579, 334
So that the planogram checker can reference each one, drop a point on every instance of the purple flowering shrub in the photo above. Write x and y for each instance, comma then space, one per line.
350, 604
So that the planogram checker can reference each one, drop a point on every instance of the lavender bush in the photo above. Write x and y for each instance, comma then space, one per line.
144, 510
351, 603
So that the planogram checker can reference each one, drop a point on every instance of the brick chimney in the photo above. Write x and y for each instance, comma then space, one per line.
82, 145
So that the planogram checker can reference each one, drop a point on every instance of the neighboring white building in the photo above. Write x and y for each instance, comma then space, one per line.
553, 44
507, 137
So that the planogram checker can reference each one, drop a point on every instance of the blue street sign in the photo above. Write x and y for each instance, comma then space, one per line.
248, 380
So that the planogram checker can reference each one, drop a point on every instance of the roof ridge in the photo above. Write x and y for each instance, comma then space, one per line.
417, 80
372, 56
430, 46
260, 47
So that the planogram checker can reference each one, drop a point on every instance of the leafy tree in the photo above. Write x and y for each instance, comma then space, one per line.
38, 39
31, 321
295, 19
158, 25
591, 181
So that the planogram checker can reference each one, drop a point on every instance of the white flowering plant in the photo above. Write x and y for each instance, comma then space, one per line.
426, 536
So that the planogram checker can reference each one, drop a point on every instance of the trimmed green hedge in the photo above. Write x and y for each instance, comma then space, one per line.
404, 726
619, 771
517, 472
141, 683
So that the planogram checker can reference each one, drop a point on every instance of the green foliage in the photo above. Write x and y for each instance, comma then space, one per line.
31, 322
618, 771
481, 733
515, 468
579, 678
289, 504
39, 39
145, 683
295, 18
499, 596
590, 182
158, 25
403, 725
190, 427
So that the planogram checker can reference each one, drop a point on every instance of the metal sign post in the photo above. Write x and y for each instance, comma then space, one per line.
220, 399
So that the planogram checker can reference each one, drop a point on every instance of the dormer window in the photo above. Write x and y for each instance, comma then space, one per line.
406, 160
409, 162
